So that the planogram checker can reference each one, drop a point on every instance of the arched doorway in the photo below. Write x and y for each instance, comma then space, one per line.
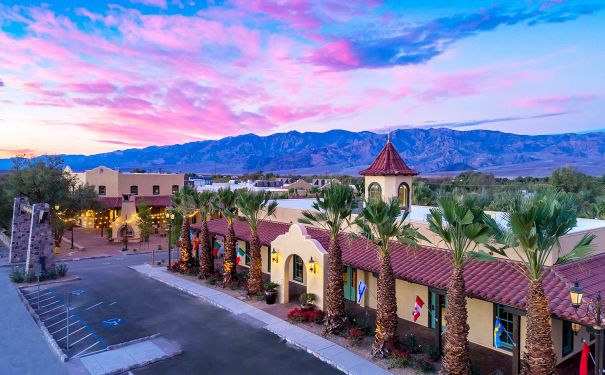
295, 273
126, 231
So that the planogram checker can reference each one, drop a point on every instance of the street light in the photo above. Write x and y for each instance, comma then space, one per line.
169, 218
594, 309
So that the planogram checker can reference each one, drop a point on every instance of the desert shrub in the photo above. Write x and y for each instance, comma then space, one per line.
271, 286
61, 269
431, 351
297, 315
307, 298
175, 267
424, 364
313, 316
355, 336
30, 277
400, 359
17, 275
316, 316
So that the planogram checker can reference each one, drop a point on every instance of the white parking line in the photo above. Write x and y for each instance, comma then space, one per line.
70, 333
94, 305
58, 307
32, 294
90, 334
50, 304
87, 349
42, 300
52, 317
62, 338
113, 303
62, 320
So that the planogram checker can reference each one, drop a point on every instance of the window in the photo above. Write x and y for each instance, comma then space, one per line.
269, 259
247, 254
134, 189
101, 171
404, 195
374, 192
299, 269
175, 189
567, 338
156, 189
102, 190
506, 318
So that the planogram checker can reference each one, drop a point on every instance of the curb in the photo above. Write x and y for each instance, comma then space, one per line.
135, 341
47, 336
290, 341
78, 259
42, 283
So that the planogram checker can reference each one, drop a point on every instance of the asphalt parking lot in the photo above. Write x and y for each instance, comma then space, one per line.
115, 304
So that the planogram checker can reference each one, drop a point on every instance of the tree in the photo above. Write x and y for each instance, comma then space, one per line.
184, 204
255, 207
461, 227
204, 203
225, 204
381, 223
144, 222
534, 228
332, 211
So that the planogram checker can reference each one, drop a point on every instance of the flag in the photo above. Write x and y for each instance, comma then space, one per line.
417, 308
584, 359
361, 288
498, 329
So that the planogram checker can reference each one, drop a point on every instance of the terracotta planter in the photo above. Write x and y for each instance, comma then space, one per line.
270, 297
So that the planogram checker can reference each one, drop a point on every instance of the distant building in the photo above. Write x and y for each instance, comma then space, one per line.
200, 181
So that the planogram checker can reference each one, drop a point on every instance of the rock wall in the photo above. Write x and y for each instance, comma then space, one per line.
20, 230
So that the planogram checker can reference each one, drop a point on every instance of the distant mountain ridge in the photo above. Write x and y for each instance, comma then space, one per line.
429, 151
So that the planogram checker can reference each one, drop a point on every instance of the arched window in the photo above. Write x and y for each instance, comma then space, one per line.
404, 195
374, 192
298, 269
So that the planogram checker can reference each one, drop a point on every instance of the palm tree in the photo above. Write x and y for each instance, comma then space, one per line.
184, 203
225, 204
332, 211
204, 203
381, 223
534, 228
254, 207
461, 227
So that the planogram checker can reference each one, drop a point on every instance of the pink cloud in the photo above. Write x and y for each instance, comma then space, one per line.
556, 103
155, 3
296, 13
339, 55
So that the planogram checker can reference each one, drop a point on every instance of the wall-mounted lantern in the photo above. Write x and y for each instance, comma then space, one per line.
312, 265
274, 256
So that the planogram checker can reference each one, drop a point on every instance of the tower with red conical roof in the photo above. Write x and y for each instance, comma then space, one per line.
389, 176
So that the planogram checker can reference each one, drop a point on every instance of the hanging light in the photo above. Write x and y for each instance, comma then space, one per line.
576, 293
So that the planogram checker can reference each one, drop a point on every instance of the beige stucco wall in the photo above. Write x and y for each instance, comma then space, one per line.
406, 293
389, 185
297, 241
117, 183
557, 335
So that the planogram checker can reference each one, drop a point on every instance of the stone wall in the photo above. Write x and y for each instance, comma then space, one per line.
31, 234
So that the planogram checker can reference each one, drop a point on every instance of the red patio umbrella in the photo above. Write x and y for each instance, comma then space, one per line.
584, 360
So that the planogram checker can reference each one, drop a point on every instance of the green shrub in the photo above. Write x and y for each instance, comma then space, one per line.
400, 359
50, 274
17, 275
424, 364
271, 286
496, 372
306, 298
61, 269
30, 277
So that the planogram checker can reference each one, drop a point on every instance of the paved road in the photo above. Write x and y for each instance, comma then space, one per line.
213, 340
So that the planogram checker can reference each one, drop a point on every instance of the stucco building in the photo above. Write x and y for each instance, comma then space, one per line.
295, 257
122, 193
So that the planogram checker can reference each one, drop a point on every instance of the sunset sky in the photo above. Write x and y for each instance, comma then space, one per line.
82, 76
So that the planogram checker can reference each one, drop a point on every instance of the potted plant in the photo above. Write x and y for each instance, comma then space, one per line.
270, 292
307, 301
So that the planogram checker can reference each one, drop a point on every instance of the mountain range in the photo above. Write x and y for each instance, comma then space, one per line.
436, 151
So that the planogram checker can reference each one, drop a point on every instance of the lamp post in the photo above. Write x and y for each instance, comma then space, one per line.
169, 218
594, 309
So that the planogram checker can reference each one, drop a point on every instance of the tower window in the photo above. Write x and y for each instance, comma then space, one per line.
134, 189
404, 195
374, 192
102, 190
156, 189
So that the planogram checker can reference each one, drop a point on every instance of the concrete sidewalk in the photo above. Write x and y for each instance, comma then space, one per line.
24, 348
321, 348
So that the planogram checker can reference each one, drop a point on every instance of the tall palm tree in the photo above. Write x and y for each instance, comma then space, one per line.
254, 207
381, 223
534, 228
332, 211
204, 203
184, 203
225, 204
461, 227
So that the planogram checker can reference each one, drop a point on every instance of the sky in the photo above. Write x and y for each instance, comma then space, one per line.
80, 76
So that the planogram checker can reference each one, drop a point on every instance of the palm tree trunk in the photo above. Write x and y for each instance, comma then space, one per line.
186, 246
335, 320
206, 261
255, 277
229, 266
539, 355
386, 310
456, 360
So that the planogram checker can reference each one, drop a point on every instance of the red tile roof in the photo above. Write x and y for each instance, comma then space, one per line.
388, 163
497, 282
153, 200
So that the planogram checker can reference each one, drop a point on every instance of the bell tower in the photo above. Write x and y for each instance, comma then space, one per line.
388, 176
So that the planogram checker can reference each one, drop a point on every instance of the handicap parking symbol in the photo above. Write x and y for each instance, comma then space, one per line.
78, 292
112, 322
